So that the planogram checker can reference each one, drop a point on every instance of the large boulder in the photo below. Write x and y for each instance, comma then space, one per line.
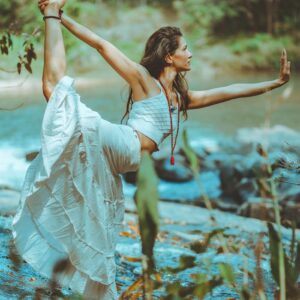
179, 172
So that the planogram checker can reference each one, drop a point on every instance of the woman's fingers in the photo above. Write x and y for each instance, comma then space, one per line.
43, 3
285, 67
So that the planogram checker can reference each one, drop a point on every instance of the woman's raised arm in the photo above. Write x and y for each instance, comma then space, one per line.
198, 99
126, 68
54, 50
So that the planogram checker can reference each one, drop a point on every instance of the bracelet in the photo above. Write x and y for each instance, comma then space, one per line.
60, 12
51, 17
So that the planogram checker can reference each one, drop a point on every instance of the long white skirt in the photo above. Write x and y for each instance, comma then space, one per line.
72, 203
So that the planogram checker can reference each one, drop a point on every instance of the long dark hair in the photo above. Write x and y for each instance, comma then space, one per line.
162, 42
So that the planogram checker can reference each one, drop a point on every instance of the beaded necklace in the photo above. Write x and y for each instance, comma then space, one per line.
171, 110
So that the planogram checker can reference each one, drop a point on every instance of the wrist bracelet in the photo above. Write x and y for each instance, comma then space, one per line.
51, 17
60, 12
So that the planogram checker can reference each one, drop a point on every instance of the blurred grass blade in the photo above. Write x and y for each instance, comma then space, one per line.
274, 243
147, 207
190, 154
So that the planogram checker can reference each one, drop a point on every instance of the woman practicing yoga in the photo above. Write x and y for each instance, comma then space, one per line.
72, 203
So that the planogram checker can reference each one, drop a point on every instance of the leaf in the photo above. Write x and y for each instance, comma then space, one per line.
6, 50
296, 268
293, 241
245, 294
201, 246
10, 43
185, 262
19, 67
146, 198
132, 288
33, 54
190, 154
261, 151
227, 273
198, 246
274, 251
132, 259
28, 68
206, 287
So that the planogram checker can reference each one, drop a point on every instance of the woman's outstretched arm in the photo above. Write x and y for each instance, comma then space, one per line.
54, 50
125, 67
200, 99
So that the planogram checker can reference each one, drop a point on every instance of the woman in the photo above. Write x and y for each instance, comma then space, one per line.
72, 202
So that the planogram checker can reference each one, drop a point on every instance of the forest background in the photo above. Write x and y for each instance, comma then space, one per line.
235, 35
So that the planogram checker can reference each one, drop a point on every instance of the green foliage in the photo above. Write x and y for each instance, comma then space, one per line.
6, 43
190, 154
185, 262
227, 273
229, 17
25, 58
292, 263
147, 207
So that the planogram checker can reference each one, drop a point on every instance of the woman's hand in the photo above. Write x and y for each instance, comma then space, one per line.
285, 68
57, 4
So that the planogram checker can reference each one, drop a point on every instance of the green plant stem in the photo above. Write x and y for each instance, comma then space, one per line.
281, 253
148, 283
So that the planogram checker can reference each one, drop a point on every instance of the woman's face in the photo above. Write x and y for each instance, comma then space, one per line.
181, 59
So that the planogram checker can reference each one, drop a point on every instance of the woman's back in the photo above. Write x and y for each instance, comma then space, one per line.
151, 117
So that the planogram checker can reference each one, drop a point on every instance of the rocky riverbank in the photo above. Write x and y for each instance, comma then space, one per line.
235, 175
180, 226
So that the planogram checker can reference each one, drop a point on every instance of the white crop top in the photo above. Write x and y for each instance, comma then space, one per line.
151, 117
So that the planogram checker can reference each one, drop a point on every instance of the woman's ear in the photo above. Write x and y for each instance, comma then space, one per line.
169, 59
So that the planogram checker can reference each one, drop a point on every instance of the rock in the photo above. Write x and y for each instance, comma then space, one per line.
230, 177
291, 211
191, 192
226, 204
257, 208
31, 156
130, 177
246, 188
276, 136
180, 172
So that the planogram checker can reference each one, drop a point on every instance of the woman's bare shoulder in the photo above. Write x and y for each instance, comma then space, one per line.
147, 86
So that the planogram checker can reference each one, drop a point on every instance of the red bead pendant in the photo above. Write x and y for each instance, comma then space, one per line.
172, 160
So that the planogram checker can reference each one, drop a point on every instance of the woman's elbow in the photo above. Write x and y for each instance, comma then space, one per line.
47, 90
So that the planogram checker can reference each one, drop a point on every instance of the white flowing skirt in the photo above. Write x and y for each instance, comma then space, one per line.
72, 203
